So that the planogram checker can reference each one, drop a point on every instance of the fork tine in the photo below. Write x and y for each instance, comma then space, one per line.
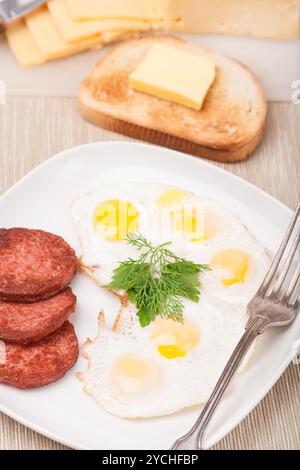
287, 266
266, 282
293, 284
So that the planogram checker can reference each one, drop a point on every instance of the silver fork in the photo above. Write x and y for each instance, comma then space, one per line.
272, 306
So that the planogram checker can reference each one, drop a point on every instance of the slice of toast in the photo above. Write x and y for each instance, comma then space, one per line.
227, 128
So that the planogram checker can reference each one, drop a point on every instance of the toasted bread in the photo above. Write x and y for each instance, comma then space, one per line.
227, 128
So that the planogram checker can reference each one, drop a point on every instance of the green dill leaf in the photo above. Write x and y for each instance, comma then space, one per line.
157, 280
172, 309
145, 316
138, 241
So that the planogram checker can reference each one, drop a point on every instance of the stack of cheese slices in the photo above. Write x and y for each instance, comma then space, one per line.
64, 27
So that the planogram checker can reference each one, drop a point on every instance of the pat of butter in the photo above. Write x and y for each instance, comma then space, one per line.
174, 74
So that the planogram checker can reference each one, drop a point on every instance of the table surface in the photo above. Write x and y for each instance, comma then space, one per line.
33, 129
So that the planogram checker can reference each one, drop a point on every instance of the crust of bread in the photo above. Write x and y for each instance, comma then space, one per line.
215, 118
166, 140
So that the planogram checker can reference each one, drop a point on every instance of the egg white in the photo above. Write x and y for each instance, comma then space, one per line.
185, 381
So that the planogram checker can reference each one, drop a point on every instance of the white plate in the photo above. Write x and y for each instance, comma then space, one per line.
42, 200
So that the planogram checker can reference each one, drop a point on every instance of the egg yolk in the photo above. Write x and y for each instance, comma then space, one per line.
191, 222
231, 266
133, 375
115, 218
197, 224
172, 196
173, 339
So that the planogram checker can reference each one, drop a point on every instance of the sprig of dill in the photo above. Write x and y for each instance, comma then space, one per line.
157, 281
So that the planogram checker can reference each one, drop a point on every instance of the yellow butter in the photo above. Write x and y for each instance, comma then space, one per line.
48, 38
23, 45
148, 10
174, 74
73, 31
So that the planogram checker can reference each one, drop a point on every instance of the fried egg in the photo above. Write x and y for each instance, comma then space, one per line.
103, 219
238, 265
136, 372
180, 216
166, 366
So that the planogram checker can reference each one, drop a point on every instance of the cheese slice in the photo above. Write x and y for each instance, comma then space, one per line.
22, 44
148, 10
276, 19
56, 31
174, 74
48, 38
108, 37
72, 31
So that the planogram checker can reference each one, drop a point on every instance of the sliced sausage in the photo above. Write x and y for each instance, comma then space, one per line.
38, 364
34, 265
26, 323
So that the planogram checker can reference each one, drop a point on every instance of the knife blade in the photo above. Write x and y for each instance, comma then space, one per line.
11, 10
